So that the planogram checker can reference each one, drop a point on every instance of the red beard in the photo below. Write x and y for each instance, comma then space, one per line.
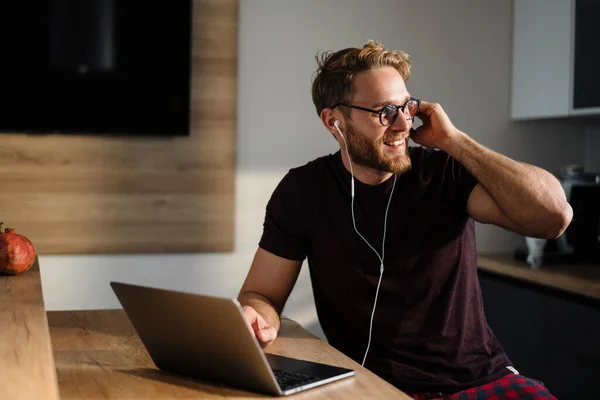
371, 154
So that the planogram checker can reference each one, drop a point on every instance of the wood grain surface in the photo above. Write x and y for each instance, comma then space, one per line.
84, 194
26, 364
98, 355
578, 279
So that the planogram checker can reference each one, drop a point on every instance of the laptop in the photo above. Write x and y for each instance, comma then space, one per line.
207, 338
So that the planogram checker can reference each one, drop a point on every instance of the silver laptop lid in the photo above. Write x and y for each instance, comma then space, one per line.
182, 336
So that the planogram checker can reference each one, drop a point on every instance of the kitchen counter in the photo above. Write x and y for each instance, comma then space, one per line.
578, 279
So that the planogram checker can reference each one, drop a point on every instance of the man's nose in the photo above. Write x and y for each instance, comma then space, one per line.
402, 123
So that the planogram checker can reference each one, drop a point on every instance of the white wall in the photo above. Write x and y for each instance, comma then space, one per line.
461, 58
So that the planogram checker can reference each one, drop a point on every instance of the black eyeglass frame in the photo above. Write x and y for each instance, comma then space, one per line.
380, 112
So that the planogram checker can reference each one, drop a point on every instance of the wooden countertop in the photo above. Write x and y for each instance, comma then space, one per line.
26, 363
580, 279
98, 355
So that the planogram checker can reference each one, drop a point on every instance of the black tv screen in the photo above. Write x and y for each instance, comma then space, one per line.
116, 67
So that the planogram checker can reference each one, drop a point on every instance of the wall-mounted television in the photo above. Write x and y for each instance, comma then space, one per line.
108, 67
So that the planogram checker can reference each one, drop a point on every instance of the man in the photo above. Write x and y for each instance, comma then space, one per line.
389, 234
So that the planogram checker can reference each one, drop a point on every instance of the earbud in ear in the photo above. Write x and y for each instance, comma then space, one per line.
337, 126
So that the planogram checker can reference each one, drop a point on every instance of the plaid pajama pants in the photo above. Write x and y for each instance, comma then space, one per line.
508, 387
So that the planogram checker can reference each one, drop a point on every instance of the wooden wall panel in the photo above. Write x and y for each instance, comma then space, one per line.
84, 194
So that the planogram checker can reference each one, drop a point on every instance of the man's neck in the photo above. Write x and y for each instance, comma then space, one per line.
366, 175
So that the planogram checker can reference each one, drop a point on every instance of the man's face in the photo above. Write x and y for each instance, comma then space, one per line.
371, 144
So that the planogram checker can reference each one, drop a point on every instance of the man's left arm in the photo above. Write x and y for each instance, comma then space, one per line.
517, 196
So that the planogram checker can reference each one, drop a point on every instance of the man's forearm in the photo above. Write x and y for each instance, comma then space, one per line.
529, 196
262, 305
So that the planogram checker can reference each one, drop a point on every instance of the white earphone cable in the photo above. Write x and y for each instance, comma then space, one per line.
382, 257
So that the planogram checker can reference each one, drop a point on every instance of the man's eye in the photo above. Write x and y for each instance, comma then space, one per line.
389, 110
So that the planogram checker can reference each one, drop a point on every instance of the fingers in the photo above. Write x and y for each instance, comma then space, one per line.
426, 109
254, 319
264, 333
425, 104
415, 133
266, 336
250, 314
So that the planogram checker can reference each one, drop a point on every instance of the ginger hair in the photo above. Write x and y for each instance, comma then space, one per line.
333, 81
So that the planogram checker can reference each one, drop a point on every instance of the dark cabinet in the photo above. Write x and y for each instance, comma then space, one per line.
549, 335
586, 63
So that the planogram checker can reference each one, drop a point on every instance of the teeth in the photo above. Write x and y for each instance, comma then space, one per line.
395, 143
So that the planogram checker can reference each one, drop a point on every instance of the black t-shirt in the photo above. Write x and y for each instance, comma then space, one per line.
429, 329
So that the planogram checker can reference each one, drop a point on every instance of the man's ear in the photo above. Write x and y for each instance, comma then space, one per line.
328, 118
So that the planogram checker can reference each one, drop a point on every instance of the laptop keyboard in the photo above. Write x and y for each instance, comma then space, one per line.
288, 380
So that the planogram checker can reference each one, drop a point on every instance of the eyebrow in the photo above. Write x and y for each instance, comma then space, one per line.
385, 103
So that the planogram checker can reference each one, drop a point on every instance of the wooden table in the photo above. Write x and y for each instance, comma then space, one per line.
26, 365
98, 355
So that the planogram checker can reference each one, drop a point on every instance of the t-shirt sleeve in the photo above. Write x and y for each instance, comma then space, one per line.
462, 181
284, 228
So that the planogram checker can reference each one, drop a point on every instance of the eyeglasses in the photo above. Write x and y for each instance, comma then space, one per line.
389, 113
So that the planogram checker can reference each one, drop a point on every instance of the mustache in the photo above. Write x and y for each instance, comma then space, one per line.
391, 135
392, 138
